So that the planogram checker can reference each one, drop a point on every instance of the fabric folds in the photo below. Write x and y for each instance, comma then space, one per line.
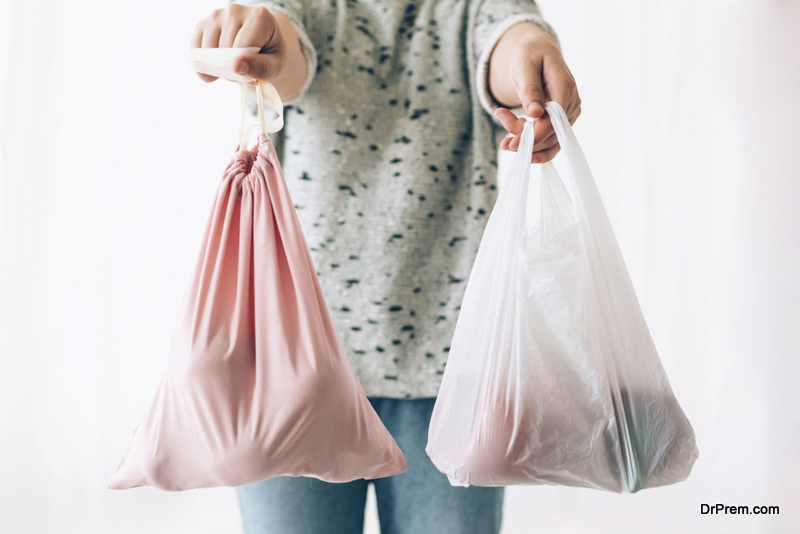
258, 384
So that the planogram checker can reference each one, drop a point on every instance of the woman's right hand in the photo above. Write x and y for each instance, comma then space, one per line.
238, 26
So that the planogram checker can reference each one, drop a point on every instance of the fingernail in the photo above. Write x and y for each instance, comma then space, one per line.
535, 160
244, 66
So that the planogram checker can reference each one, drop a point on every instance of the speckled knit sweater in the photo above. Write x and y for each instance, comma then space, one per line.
390, 154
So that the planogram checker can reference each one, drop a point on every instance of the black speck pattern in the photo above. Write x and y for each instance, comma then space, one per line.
390, 155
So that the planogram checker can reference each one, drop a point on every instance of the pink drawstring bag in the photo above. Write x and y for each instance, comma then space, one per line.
258, 384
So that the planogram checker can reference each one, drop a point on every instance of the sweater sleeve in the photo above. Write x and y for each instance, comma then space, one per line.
294, 11
492, 19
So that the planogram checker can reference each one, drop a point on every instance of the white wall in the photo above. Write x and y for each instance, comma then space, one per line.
690, 124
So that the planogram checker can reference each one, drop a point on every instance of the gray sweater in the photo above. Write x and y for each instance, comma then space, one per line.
389, 152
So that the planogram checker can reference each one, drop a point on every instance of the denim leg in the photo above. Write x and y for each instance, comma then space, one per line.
421, 500
302, 505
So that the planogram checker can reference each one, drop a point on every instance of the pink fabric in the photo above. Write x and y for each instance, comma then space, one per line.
258, 384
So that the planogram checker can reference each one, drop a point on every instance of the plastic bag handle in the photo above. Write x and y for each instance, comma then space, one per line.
219, 62
583, 190
591, 214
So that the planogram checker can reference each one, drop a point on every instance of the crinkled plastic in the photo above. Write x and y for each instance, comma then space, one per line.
258, 384
552, 376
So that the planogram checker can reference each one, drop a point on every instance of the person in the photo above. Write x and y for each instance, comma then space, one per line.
394, 114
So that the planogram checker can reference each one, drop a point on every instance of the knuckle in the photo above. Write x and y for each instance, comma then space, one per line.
262, 15
572, 117
237, 11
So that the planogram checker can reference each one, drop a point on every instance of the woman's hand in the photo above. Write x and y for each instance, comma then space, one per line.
280, 61
535, 72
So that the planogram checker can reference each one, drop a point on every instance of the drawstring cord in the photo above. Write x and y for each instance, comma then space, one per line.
218, 62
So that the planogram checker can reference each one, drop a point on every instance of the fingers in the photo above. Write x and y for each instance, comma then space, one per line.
527, 78
540, 74
543, 134
510, 122
548, 151
211, 35
561, 86
229, 33
257, 66
206, 35
238, 26
545, 155
197, 42
512, 143
575, 113
544, 150
260, 28
197, 36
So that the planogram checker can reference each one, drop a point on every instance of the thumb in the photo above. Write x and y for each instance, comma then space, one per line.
528, 80
258, 66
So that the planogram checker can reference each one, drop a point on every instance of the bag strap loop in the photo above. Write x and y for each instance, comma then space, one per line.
219, 62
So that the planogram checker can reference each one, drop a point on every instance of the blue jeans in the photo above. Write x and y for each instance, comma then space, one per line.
418, 501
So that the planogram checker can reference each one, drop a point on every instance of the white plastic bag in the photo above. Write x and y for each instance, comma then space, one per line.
552, 376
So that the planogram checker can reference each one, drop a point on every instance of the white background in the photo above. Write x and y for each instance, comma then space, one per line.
111, 152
